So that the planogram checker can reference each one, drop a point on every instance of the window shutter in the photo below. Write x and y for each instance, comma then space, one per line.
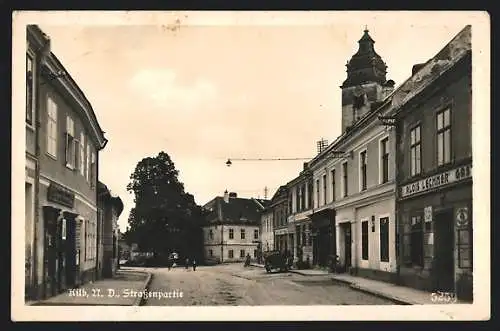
67, 149
76, 153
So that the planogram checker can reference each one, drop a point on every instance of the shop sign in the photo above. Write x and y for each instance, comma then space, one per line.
462, 216
436, 181
281, 232
60, 195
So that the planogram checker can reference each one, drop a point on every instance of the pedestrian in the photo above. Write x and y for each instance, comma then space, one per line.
194, 264
187, 264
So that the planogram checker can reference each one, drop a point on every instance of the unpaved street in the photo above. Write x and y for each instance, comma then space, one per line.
235, 285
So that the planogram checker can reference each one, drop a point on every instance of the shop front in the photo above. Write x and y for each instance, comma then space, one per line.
60, 249
281, 239
435, 232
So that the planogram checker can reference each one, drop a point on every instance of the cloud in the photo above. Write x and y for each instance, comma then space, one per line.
163, 88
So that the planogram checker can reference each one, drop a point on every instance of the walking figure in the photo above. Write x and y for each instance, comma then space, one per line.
187, 264
194, 264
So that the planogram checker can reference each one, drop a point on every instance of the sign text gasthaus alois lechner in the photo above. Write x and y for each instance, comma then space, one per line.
435, 181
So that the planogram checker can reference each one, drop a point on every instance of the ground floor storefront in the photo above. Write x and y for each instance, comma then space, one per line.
435, 232
366, 238
323, 237
282, 241
303, 248
67, 248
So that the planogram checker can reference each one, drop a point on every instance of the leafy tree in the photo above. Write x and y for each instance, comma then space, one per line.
165, 217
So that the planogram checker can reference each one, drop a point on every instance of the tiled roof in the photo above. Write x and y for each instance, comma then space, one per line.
236, 211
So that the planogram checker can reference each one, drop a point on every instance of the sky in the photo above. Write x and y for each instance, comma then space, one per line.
204, 93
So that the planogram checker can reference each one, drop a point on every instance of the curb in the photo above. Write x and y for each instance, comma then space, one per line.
380, 295
141, 300
298, 272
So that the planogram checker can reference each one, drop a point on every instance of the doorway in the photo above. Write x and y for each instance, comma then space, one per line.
444, 244
347, 245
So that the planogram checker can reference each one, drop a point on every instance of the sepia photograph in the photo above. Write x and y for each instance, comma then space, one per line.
263, 165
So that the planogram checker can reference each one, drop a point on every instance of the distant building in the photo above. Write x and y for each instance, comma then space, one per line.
63, 140
231, 229
280, 207
266, 229
110, 208
434, 159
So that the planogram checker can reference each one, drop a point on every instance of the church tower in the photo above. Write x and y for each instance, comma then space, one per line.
365, 84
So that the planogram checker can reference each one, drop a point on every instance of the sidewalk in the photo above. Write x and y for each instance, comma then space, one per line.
120, 290
399, 294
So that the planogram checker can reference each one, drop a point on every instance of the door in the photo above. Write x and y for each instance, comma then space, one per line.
347, 245
70, 253
444, 272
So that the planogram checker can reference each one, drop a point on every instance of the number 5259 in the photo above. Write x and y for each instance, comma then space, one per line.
443, 297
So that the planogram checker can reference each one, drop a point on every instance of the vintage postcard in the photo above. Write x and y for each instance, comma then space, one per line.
250, 166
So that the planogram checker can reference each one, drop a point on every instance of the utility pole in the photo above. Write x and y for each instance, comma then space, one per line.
265, 193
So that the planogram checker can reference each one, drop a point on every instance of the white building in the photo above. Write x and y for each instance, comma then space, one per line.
232, 228
354, 181
267, 230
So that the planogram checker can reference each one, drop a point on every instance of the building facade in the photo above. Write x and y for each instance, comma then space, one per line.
267, 229
299, 220
232, 228
280, 208
37, 46
353, 178
68, 140
434, 145
110, 209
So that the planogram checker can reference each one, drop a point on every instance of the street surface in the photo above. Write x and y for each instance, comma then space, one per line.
235, 285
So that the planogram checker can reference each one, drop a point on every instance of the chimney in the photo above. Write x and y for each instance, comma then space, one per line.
233, 195
226, 196
416, 68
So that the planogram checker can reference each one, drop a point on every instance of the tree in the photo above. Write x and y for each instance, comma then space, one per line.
165, 217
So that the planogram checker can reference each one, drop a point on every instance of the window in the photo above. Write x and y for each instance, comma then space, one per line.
93, 168
332, 175
71, 143
344, 181
310, 194
384, 160
255, 234
317, 192
415, 151
413, 248
443, 137
210, 253
242, 233
242, 253
87, 162
324, 189
362, 170
384, 239
51, 127
299, 198
303, 196
29, 90
254, 253
364, 240
231, 254
211, 234
82, 154
231, 234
